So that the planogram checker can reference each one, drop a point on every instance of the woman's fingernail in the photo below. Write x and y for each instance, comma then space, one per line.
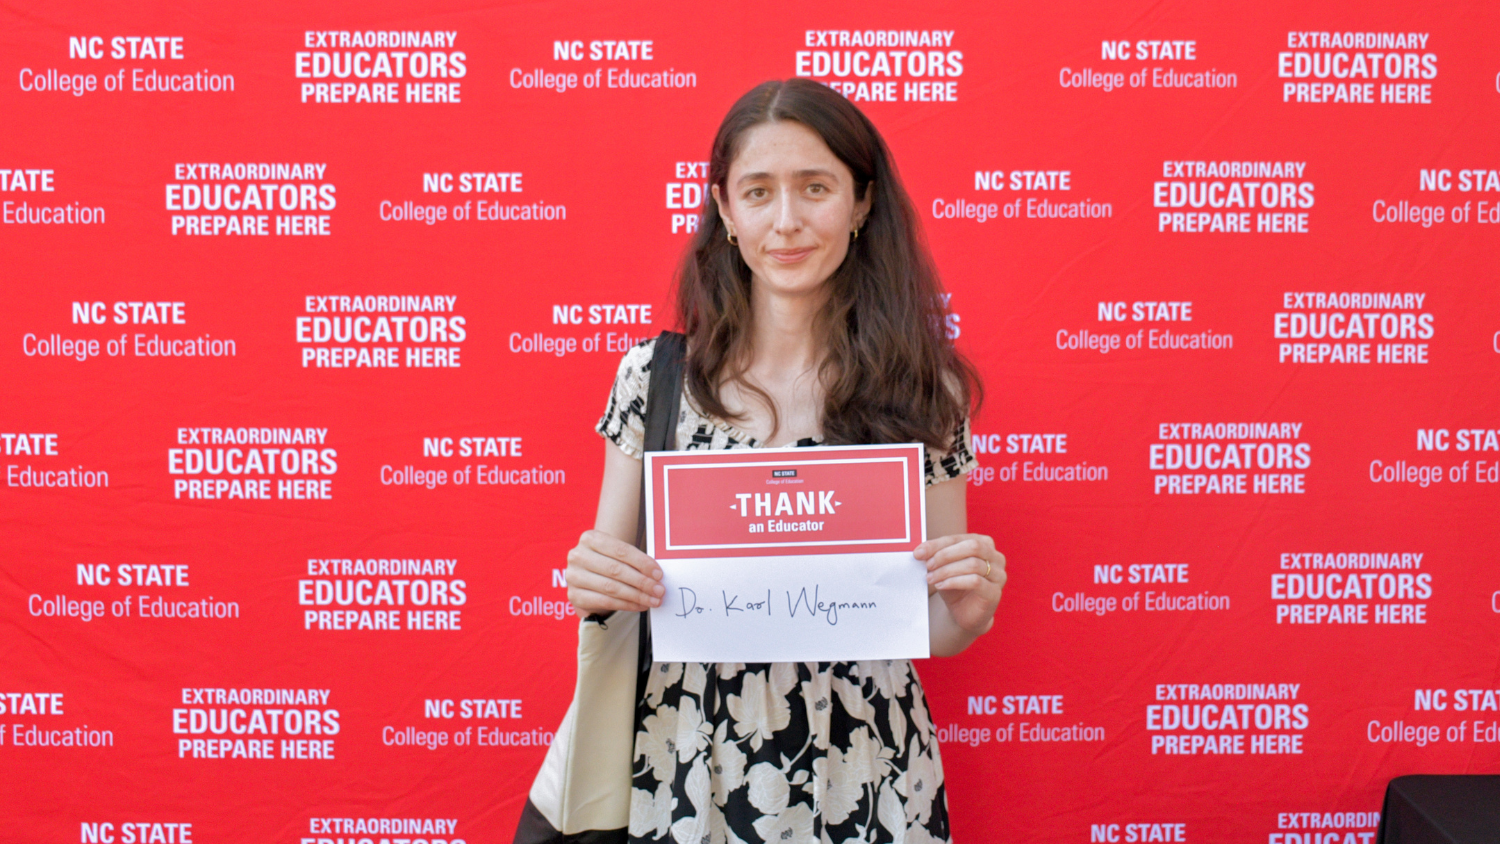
659, 589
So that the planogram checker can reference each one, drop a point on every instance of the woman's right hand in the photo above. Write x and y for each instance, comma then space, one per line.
606, 574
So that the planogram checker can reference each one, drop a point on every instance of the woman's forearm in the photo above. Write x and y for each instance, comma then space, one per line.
944, 636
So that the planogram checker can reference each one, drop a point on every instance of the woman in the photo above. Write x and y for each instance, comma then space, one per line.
812, 316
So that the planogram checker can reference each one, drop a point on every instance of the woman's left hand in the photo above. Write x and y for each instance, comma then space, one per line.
969, 573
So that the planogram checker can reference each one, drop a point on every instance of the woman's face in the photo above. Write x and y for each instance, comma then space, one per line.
790, 201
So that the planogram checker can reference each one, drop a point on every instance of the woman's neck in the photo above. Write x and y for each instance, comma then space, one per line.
782, 336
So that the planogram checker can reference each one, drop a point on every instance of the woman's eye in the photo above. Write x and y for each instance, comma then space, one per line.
817, 188
755, 193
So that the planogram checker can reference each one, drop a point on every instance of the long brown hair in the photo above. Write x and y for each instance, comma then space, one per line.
889, 373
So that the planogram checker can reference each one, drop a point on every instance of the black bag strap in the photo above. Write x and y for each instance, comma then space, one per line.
663, 406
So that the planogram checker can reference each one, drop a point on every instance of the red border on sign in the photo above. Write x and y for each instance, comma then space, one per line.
900, 524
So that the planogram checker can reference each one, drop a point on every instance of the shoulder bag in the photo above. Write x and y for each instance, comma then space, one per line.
582, 793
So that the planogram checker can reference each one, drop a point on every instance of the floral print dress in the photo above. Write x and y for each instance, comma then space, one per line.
790, 753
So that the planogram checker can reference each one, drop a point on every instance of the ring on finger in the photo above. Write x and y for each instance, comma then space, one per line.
986, 569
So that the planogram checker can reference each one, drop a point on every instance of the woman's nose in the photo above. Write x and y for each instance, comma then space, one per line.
788, 213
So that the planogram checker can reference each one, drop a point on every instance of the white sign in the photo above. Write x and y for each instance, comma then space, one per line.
788, 555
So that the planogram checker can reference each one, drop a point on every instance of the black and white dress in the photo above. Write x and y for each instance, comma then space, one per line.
801, 753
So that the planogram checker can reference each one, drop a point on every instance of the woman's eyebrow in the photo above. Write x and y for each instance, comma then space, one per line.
800, 174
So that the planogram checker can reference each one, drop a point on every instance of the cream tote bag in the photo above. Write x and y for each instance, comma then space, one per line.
582, 793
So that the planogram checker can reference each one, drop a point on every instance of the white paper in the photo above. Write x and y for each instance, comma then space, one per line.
807, 608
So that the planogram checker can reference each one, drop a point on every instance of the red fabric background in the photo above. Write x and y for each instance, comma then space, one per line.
610, 157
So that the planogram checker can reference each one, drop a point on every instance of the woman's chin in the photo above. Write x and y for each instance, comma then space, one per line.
793, 283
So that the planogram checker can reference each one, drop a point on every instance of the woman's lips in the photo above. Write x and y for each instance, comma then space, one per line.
789, 256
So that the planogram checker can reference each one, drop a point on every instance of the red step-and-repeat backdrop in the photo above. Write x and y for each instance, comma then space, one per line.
309, 310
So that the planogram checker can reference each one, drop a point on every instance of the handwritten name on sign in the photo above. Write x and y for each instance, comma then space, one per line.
777, 555
809, 605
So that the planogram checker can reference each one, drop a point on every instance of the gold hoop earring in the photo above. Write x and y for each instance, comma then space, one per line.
856, 234
733, 241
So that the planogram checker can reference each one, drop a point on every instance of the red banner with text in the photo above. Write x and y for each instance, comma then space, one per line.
311, 310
